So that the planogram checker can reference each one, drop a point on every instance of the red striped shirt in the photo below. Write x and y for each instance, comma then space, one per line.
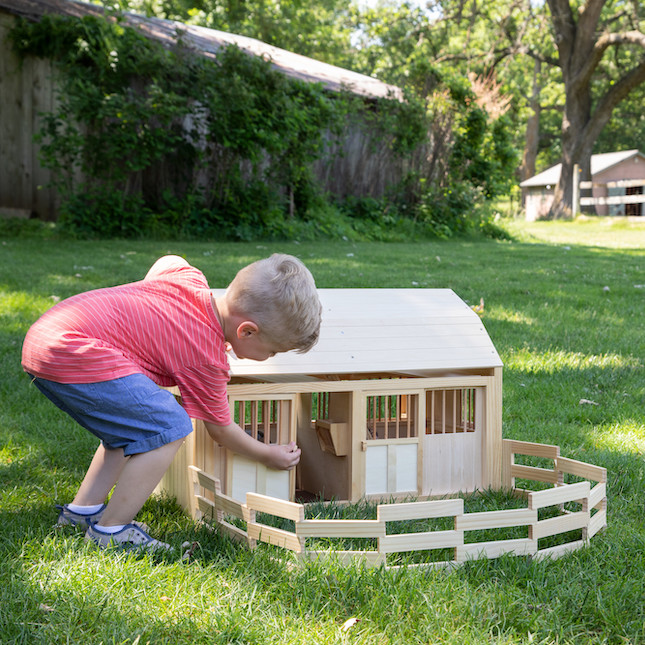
164, 327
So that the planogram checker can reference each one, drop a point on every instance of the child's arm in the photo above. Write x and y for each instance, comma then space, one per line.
235, 439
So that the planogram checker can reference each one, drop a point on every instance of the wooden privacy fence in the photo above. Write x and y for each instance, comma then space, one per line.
574, 511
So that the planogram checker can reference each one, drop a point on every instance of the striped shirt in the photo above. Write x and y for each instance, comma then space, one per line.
164, 326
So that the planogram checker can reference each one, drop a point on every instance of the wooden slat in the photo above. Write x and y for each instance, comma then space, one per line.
532, 449
560, 524
614, 199
581, 469
597, 495
534, 474
206, 506
507, 463
496, 519
204, 480
386, 386
559, 495
420, 510
272, 535
275, 506
211, 508
229, 505
496, 549
340, 528
597, 522
560, 550
392, 442
369, 558
420, 541
441, 564
233, 532
620, 183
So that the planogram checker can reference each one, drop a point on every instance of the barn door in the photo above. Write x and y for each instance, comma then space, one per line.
392, 444
270, 421
452, 449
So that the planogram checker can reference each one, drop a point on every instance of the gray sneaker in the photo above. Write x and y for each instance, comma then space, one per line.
68, 517
131, 536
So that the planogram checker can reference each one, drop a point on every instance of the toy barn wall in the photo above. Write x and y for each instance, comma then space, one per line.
424, 353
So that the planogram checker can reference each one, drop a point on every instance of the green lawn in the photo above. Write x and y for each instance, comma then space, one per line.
564, 305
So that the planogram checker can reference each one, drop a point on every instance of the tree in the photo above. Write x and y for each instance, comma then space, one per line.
583, 36
319, 29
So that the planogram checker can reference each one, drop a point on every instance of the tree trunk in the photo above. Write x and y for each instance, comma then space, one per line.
577, 110
581, 44
532, 136
575, 42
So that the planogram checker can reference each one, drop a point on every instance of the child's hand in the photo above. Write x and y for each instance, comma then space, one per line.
283, 457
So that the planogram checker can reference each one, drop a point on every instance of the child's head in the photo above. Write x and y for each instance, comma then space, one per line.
279, 295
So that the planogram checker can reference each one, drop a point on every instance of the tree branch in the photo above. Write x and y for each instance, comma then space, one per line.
536, 55
565, 27
611, 99
602, 44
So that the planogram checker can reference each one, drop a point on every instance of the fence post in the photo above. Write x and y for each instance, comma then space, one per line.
576, 190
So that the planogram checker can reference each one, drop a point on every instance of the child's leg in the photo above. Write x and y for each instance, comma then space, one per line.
143, 424
101, 476
138, 478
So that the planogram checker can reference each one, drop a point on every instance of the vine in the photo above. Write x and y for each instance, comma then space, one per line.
146, 140
152, 132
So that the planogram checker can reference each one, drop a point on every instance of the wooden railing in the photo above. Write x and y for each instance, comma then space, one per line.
607, 200
589, 516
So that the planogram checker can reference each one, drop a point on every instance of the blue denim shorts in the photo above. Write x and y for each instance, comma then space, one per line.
131, 412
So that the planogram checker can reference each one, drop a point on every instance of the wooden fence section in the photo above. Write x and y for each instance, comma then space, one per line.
567, 513
627, 197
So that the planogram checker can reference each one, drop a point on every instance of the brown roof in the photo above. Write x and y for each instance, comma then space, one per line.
207, 42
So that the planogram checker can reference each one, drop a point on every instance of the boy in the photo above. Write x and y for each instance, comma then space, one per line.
101, 356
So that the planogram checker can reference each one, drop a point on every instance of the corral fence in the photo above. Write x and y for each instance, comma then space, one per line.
621, 197
568, 508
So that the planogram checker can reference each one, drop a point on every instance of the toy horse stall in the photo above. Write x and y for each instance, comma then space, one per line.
400, 401
401, 397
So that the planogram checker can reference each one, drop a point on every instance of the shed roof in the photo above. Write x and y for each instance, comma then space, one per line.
386, 330
208, 42
599, 163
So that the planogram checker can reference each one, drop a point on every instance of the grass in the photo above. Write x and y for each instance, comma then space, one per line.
564, 307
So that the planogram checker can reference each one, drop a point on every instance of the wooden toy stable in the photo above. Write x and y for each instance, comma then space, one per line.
401, 398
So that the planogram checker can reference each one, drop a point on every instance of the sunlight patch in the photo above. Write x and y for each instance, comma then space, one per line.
551, 361
627, 437
509, 315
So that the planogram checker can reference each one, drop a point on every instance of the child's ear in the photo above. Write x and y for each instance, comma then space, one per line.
246, 329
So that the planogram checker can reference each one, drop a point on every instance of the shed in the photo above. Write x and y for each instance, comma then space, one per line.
611, 173
400, 397
29, 89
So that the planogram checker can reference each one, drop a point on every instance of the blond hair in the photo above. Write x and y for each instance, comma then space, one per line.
279, 294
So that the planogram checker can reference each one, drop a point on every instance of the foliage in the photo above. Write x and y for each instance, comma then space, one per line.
231, 144
131, 112
322, 31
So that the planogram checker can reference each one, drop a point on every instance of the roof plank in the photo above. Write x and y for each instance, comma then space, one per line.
393, 330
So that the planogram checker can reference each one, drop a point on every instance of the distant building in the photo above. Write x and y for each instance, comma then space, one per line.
611, 173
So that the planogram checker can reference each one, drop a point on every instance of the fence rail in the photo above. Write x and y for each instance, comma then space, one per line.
606, 200
589, 516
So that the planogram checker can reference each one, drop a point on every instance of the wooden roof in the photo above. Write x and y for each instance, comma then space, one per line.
386, 330
207, 42
599, 163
